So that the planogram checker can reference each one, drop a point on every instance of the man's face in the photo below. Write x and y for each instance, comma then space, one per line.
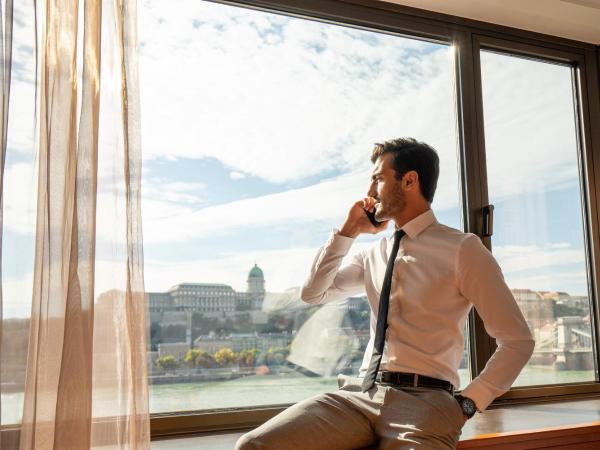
386, 189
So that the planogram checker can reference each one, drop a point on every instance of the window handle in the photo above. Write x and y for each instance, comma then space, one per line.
488, 220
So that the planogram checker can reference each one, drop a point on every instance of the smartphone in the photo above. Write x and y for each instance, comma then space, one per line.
371, 216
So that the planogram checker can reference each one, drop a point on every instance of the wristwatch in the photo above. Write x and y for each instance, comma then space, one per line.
468, 406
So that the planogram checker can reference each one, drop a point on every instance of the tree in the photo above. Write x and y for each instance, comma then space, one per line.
199, 358
167, 363
224, 357
278, 322
247, 358
562, 310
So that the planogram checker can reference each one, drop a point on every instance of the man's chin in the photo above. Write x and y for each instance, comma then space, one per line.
380, 216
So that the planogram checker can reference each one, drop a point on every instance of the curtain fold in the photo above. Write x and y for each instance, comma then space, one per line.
86, 378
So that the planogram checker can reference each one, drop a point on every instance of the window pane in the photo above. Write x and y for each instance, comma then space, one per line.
18, 220
257, 131
534, 184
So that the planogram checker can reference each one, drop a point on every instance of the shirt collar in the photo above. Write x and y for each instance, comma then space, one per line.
414, 227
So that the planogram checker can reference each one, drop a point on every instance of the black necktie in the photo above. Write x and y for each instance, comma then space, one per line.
384, 302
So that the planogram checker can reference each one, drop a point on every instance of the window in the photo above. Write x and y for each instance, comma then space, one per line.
532, 154
257, 134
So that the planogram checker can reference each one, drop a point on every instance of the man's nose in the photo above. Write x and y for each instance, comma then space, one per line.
372, 190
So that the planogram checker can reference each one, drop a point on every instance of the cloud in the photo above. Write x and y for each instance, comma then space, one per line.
551, 270
178, 206
549, 266
284, 99
574, 283
236, 175
21, 118
233, 268
531, 140
20, 194
514, 258
290, 99
545, 267
327, 201
178, 192
22, 93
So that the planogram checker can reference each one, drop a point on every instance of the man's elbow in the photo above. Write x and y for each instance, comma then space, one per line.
305, 293
526, 346
530, 341
526, 342
308, 295
522, 345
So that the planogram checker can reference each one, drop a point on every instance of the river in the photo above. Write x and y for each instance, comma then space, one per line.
260, 391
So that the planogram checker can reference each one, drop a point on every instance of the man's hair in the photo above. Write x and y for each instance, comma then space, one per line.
410, 154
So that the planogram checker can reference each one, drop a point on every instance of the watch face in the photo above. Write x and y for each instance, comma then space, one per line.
468, 406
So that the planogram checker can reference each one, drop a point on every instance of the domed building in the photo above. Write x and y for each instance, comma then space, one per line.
256, 281
255, 291
210, 298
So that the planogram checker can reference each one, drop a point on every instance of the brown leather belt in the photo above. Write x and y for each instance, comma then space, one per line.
402, 379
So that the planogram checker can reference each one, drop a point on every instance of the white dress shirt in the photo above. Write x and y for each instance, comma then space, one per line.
439, 274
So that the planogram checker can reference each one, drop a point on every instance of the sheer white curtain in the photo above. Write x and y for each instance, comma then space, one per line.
86, 374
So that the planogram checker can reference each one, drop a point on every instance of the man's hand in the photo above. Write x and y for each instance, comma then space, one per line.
357, 221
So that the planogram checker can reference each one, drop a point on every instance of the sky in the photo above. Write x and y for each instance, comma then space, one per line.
256, 135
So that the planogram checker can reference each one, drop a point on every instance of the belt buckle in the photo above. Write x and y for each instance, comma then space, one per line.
415, 380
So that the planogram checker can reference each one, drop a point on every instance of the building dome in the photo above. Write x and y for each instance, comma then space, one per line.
256, 272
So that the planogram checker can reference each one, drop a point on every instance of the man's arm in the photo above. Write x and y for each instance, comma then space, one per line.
326, 283
480, 280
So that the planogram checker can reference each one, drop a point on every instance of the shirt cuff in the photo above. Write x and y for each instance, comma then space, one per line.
481, 394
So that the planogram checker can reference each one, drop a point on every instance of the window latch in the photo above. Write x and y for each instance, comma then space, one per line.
488, 220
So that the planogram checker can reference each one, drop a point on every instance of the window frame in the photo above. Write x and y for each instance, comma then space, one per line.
468, 36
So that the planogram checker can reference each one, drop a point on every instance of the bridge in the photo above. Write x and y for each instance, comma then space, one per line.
569, 347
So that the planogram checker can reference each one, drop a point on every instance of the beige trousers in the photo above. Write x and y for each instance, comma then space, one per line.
384, 418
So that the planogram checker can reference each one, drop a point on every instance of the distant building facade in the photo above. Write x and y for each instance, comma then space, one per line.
177, 350
243, 341
537, 306
209, 298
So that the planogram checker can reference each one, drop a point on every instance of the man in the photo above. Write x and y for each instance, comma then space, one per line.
421, 283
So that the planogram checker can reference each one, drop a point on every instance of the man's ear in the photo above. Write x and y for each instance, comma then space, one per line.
411, 179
